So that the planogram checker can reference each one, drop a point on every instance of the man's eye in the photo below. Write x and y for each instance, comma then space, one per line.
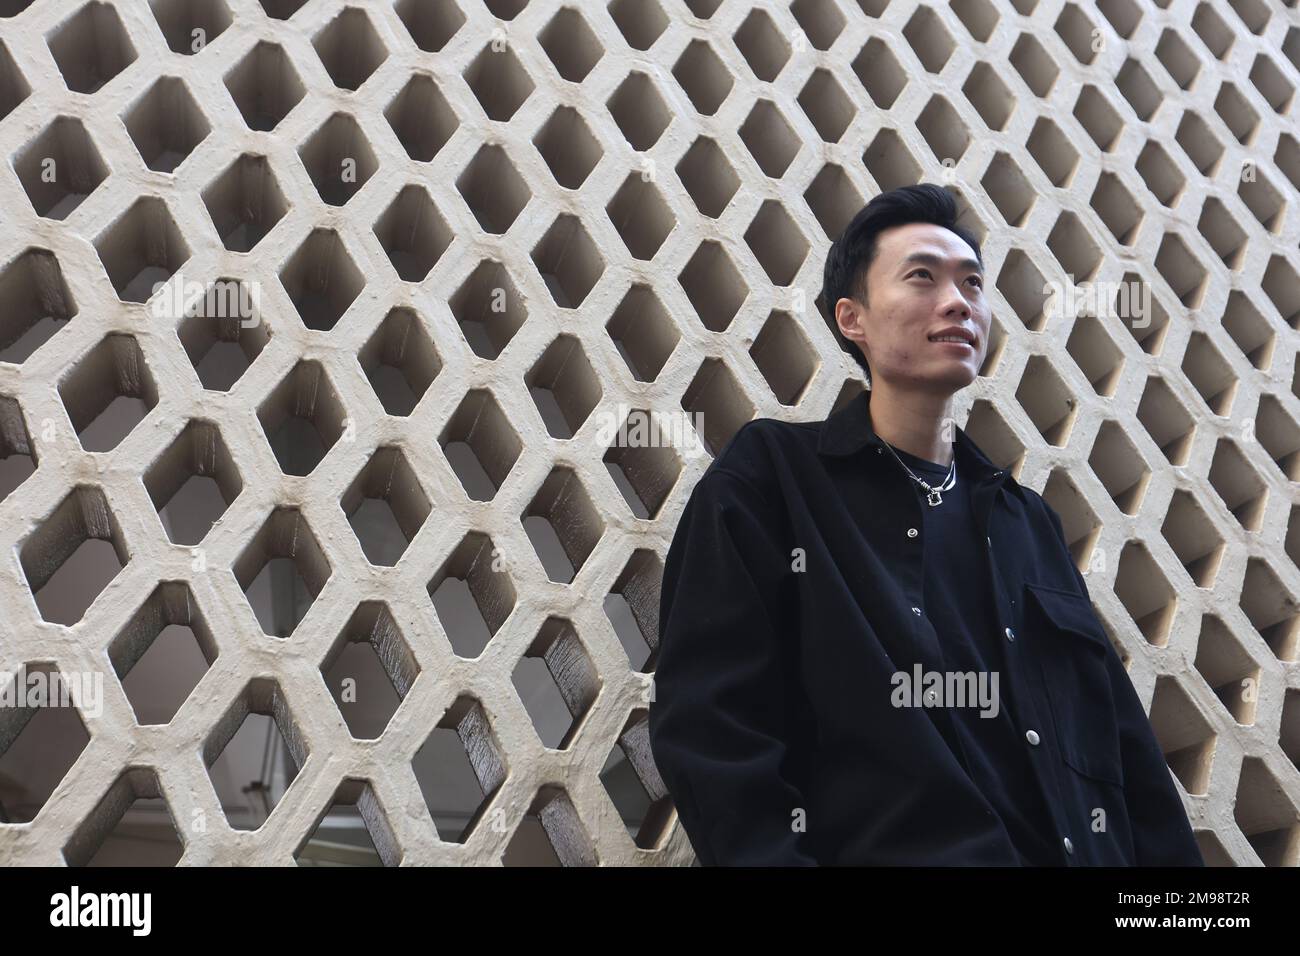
979, 281
919, 271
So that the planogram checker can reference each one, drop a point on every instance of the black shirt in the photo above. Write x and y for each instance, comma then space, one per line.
957, 603
785, 611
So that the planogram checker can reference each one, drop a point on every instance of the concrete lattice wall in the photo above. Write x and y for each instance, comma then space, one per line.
558, 212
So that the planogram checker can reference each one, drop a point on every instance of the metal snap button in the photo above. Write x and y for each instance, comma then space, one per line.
916, 611
1032, 737
1010, 634
912, 532
1069, 847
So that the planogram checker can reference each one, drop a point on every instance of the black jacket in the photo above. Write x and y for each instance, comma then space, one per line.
771, 721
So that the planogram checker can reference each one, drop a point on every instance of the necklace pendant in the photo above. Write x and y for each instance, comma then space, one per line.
934, 497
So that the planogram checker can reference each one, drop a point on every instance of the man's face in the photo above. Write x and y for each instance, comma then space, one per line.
923, 280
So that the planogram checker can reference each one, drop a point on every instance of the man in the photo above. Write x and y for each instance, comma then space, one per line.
832, 587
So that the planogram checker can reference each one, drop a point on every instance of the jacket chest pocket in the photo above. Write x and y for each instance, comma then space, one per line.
1072, 651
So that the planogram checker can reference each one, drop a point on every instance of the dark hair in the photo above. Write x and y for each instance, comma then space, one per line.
851, 255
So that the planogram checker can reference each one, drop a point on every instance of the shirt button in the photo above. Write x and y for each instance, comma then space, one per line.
990, 541
1032, 737
916, 611
1010, 635
1069, 847
912, 532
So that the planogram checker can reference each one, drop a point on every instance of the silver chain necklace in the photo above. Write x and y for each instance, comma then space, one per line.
933, 495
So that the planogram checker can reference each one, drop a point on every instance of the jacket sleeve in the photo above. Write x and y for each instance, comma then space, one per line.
719, 714
1162, 834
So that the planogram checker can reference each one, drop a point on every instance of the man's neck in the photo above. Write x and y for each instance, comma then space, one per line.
912, 421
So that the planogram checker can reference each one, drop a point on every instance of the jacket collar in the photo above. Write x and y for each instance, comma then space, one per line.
849, 430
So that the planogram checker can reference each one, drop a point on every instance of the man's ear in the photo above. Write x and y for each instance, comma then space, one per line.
848, 316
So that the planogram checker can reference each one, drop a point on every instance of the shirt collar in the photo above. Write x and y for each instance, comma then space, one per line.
849, 430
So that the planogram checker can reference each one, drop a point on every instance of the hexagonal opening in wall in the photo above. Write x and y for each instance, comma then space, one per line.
826, 105
413, 233
713, 285
1166, 420
638, 110
493, 189
480, 444
421, 117
703, 77
1238, 484
1249, 330
281, 9
551, 834
640, 216
142, 249
400, 361
322, 280
385, 506
35, 304
108, 392
1210, 374
18, 458
557, 683
762, 45
1097, 356
1119, 467
633, 784
498, 81
369, 670
632, 606
245, 202
254, 753
1047, 400
564, 386
166, 124
40, 737
431, 25
223, 333
338, 159
569, 262
1229, 670
73, 554
641, 22
573, 48
302, 418
985, 90
132, 825
193, 482
350, 49
91, 47
1263, 812
717, 401
488, 308
189, 26
990, 431
777, 243
472, 594
643, 461
1078, 520
880, 73
1146, 595
709, 178
14, 87
567, 146
785, 357
943, 130
1271, 609
459, 767
60, 168
282, 571
643, 332
265, 86
163, 652
767, 135
352, 831
833, 198
1193, 538
562, 524
1279, 434
1186, 738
